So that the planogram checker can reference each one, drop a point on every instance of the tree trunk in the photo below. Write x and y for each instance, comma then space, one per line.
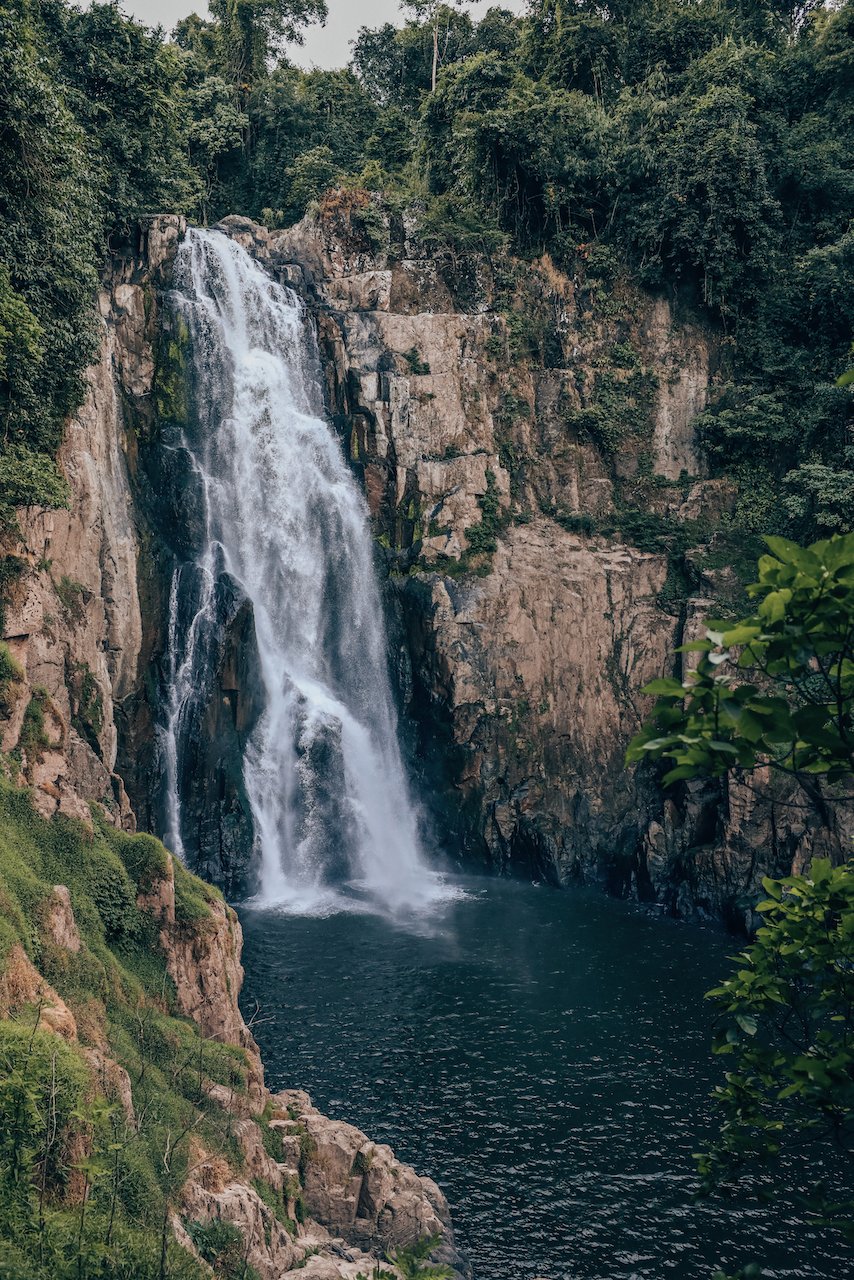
435, 51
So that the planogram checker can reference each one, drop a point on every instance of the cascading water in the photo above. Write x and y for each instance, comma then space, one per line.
286, 521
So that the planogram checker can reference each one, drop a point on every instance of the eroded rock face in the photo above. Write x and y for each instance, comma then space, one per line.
22, 987
532, 669
60, 924
217, 825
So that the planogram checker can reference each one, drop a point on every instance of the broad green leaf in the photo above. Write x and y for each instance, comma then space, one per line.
667, 685
741, 634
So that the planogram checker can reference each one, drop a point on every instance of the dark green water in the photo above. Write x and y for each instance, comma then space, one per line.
544, 1056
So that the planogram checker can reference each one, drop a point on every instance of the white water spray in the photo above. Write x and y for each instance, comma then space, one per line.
286, 519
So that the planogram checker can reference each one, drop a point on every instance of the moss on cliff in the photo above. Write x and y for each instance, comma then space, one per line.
171, 376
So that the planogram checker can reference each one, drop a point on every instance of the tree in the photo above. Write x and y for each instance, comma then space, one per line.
786, 1022
125, 85
252, 31
216, 130
49, 230
433, 12
777, 688
774, 688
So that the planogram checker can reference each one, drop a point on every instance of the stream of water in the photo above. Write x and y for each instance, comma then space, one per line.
545, 1057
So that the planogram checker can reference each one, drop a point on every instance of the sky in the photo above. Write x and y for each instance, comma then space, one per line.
324, 47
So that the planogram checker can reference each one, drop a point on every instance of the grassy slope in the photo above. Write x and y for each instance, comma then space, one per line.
57, 1130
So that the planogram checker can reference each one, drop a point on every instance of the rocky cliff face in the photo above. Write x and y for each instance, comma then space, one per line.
74, 606
528, 453
527, 449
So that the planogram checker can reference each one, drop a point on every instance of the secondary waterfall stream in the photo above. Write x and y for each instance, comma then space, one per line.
286, 522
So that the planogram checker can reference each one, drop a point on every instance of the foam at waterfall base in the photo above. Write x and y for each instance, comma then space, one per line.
421, 901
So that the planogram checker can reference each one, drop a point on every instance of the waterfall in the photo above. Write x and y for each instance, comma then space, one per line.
286, 521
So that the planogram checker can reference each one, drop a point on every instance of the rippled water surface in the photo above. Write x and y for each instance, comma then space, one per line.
545, 1057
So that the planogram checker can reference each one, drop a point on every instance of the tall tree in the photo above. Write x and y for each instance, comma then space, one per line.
252, 31
433, 12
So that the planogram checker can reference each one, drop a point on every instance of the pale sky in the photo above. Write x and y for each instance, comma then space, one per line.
324, 46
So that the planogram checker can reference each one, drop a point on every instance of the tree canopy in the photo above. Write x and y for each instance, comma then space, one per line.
701, 147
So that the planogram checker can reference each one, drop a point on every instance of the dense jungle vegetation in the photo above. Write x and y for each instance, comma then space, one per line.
703, 147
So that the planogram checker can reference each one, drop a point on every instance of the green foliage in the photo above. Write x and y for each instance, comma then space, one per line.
192, 897
777, 685
215, 132
72, 597
818, 496
87, 704
272, 1140
786, 1023
311, 173
33, 737
11, 673
275, 1202
620, 407
413, 1261
42, 1082
48, 236
171, 386
249, 32
483, 537
417, 366
125, 85
11, 570
310, 129
29, 479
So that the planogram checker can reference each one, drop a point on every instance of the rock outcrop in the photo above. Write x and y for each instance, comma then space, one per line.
356, 1188
73, 608
358, 1202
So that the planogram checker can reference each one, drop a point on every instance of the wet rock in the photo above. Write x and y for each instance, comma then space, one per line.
217, 823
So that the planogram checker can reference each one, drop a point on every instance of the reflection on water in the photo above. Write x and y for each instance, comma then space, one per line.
545, 1057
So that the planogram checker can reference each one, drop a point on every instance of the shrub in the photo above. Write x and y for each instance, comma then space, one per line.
29, 479
222, 1245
